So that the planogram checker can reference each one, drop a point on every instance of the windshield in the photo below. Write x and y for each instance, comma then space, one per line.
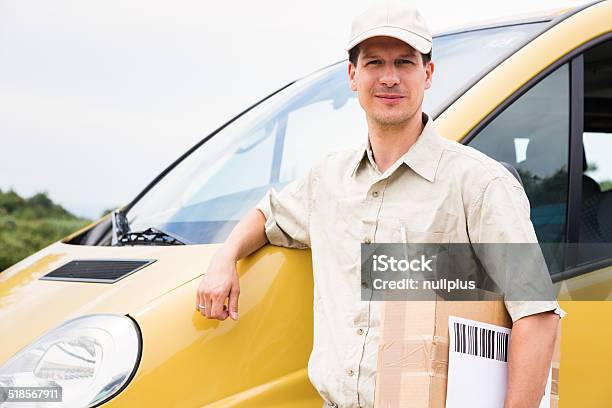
205, 195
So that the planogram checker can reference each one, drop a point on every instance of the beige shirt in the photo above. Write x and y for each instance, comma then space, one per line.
439, 191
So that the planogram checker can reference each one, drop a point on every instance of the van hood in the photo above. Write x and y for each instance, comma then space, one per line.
30, 306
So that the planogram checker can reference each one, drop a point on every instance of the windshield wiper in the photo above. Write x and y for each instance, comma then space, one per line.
150, 236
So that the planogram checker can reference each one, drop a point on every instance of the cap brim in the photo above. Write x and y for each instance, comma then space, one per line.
417, 42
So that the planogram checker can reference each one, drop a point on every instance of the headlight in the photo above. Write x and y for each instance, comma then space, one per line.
90, 358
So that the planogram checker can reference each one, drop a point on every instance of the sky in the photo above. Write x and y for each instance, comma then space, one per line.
98, 97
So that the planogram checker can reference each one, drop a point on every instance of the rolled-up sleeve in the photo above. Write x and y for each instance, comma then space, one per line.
500, 214
288, 214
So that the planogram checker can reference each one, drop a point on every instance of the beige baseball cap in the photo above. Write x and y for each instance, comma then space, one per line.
392, 19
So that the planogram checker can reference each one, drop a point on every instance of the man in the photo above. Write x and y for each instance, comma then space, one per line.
406, 184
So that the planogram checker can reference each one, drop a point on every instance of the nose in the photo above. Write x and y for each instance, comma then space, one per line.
389, 77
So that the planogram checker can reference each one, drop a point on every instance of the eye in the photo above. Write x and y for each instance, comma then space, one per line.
373, 62
405, 61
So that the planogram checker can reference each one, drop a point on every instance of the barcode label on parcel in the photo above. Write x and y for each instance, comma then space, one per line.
481, 341
478, 365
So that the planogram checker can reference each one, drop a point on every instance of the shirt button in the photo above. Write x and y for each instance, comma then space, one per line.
359, 332
364, 285
375, 194
367, 241
350, 372
332, 404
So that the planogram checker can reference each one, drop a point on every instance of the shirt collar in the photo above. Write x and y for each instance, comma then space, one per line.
423, 156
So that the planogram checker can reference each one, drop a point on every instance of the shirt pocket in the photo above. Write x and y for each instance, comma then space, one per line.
427, 228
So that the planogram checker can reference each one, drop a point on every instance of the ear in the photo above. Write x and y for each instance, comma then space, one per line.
351, 74
429, 70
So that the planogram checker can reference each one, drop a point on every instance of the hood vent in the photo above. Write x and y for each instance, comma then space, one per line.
97, 270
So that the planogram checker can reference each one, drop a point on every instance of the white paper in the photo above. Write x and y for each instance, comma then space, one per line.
477, 370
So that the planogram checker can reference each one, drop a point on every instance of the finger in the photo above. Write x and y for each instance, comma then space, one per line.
208, 306
201, 307
224, 313
233, 303
217, 306
198, 301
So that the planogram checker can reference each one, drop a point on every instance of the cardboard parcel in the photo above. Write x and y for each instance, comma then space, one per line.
413, 354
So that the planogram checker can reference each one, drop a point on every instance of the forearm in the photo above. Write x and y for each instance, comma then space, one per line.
530, 355
247, 236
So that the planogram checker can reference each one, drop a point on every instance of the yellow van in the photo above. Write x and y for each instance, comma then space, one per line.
108, 314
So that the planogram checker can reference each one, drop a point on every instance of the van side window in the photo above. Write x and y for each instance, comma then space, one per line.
596, 210
532, 134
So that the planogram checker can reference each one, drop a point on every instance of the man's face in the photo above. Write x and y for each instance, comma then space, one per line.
390, 80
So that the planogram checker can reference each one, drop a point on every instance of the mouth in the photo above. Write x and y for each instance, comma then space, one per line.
389, 99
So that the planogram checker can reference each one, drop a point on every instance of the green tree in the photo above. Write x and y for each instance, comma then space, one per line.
28, 225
